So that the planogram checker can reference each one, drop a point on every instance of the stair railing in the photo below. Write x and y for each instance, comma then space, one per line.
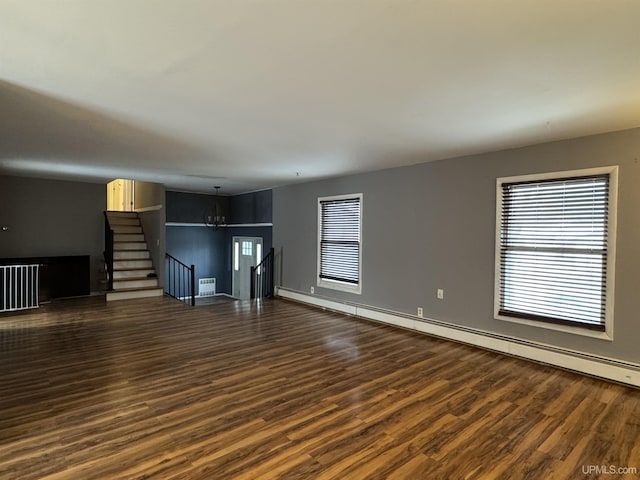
262, 277
108, 251
180, 280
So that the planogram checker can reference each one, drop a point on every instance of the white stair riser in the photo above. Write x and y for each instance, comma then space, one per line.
130, 255
128, 237
137, 283
120, 274
115, 295
125, 264
129, 246
126, 229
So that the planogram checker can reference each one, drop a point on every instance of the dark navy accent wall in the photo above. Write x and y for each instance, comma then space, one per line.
192, 207
199, 246
254, 207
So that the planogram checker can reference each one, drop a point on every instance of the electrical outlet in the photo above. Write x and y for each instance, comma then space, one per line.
420, 312
440, 294
313, 290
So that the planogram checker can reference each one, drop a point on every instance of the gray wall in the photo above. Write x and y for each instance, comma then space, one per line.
148, 194
52, 218
152, 195
432, 225
153, 222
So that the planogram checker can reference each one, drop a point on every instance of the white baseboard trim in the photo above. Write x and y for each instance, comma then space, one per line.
209, 296
589, 364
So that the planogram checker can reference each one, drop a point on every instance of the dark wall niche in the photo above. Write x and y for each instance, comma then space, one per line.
207, 248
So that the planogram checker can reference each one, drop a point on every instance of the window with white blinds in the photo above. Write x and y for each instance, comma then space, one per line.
339, 252
553, 249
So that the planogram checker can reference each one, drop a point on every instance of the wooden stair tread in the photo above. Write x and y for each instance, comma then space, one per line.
131, 269
133, 273
134, 279
135, 289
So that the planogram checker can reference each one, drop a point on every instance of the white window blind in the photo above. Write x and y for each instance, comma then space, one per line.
340, 240
553, 250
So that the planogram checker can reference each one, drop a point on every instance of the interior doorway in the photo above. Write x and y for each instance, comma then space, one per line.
247, 252
121, 195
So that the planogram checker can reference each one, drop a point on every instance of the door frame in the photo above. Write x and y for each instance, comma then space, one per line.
121, 195
240, 268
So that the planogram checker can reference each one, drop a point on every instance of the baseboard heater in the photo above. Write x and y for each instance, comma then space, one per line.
19, 287
207, 287
586, 363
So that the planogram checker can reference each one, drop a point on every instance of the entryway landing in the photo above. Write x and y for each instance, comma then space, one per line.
214, 300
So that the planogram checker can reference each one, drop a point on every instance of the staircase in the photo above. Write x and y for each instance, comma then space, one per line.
133, 272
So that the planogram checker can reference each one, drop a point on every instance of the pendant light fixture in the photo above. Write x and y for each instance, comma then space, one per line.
214, 217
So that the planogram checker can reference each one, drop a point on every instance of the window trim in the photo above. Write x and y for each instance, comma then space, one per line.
337, 284
612, 171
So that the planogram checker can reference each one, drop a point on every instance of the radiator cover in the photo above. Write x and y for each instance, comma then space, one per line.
207, 287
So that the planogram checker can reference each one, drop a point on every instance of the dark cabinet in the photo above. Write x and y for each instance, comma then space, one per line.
59, 277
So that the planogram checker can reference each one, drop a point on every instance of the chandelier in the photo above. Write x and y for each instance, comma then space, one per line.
214, 216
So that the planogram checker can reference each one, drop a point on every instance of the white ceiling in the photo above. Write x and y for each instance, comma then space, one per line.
252, 94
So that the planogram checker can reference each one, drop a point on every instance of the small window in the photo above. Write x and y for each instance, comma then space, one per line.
247, 249
259, 257
339, 242
554, 249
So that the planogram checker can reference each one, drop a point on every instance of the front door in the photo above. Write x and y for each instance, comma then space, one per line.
247, 252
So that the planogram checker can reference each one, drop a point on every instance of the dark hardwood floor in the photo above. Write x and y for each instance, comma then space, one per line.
155, 389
